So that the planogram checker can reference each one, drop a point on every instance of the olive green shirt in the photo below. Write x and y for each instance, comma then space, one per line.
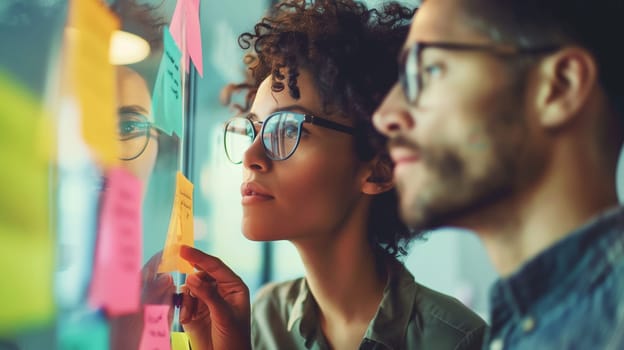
410, 316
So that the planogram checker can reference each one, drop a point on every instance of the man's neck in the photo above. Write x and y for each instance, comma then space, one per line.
516, 231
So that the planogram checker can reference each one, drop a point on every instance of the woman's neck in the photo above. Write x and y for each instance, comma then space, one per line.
347, 280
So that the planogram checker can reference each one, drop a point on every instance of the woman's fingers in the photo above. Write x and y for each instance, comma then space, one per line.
188, 307
207, 293
209, 264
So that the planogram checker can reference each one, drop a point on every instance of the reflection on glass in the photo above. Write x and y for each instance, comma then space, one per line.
137, 134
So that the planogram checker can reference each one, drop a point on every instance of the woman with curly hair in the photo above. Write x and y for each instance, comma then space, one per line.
317, 174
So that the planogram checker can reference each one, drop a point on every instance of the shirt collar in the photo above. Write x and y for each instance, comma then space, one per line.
389, 324
589, 251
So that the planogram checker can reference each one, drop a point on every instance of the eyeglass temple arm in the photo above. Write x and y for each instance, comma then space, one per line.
329, 124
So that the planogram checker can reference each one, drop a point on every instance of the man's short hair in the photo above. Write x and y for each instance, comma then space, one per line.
593, 25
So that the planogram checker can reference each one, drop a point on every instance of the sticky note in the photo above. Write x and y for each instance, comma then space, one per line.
180, 341
90, 333
186, 31
180, 228
26, 243
168, 90
116, 284
155, 334
92, 77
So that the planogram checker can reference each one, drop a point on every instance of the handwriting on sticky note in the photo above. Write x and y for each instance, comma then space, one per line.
155, 334
92, 77
116, 281
167, 99
186, 31
180, 228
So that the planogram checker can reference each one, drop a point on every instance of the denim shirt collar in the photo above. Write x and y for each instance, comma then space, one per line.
387, 327
589, 251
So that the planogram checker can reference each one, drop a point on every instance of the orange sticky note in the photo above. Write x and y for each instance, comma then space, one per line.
92, 77
155, 334
186, 31
180, 228
116, 284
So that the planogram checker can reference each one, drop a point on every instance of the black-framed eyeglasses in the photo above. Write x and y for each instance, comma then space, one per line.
134, 133
411, 72
280, 134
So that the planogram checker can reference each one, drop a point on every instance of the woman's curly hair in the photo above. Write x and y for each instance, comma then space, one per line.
351, 52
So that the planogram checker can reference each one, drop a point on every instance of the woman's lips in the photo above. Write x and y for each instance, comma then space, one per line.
253, 193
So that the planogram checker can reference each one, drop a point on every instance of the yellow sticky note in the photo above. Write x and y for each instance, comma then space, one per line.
92, 76
180, 228
26, 244
180, 341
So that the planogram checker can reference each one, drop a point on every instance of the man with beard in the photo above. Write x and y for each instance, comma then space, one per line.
507, 120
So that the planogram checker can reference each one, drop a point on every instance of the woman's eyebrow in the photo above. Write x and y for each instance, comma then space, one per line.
132, 109
294, 108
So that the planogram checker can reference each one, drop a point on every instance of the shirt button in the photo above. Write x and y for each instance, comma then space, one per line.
496, 344
528, 324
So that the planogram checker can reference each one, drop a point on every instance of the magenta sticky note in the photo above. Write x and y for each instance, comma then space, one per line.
193, 35
176, 26
116, 283
186, 31
155, 334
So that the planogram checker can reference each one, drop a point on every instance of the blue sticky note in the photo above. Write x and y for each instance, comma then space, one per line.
90, 332
167, 100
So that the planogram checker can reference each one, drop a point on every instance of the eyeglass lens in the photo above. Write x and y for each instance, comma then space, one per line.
410, 75
239, 135
280, 136
133, 134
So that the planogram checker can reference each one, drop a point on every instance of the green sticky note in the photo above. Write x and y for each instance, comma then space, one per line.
92, 334
180, 341
26, 244
167, 96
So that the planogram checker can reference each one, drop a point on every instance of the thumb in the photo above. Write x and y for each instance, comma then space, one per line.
206, 291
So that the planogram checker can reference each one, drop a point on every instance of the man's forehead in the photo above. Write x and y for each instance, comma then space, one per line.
442, 20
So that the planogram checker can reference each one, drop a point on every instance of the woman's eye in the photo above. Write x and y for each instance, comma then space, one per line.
126, 127
290, 131
131, 128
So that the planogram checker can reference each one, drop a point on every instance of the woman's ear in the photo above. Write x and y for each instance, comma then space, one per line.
379, 178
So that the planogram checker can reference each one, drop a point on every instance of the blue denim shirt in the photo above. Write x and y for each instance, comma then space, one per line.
571, 296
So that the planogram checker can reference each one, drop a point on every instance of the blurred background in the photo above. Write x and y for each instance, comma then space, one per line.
53, 184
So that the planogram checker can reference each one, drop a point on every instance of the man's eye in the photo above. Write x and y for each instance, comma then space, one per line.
431, 71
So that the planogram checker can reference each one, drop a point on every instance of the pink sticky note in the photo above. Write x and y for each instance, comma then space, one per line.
116, 284
186, 31
155, 328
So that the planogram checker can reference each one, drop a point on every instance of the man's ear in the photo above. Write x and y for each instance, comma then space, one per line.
379, 178
566, 80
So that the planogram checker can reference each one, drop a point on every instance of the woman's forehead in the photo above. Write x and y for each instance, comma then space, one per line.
268, 101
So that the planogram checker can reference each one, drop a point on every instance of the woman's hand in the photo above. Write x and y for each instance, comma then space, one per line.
215, 308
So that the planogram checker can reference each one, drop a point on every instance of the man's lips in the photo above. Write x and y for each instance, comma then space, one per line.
404, 156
